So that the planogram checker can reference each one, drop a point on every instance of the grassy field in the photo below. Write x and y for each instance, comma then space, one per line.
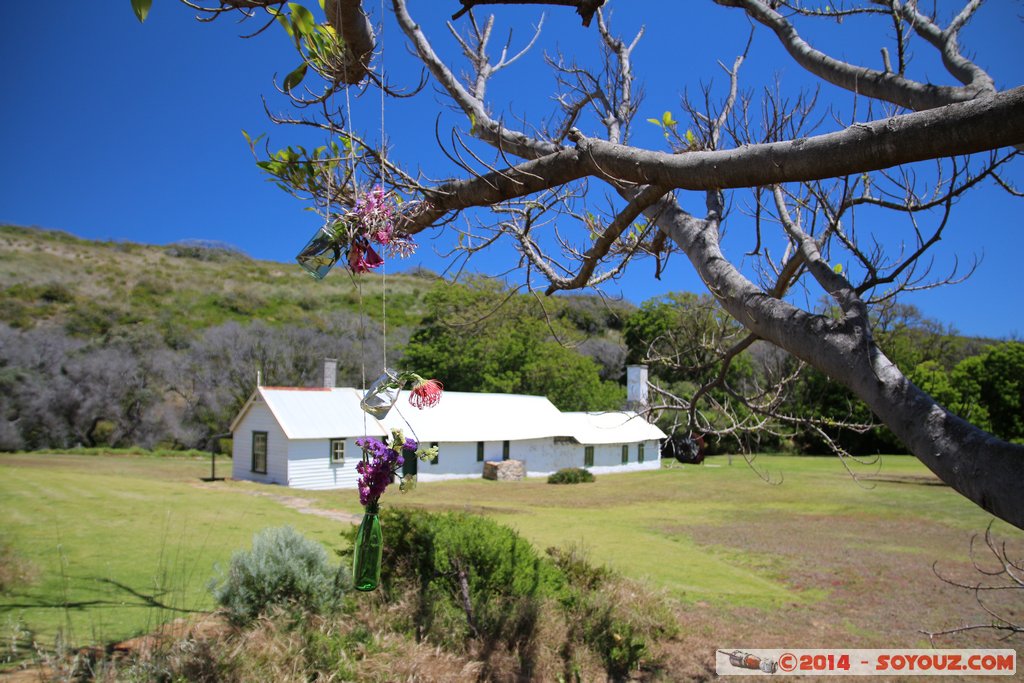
119, 544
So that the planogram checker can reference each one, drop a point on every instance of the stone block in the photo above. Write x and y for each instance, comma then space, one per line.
504, 470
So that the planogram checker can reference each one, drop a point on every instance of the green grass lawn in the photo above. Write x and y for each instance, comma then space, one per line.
120, 544
640, 523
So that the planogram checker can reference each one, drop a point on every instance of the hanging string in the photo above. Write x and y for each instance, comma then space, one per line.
383, 149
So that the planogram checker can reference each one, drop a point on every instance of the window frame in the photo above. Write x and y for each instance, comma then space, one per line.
266, 451
625, 454
588, 456
332, 451
640, 452
479, 451
506, 450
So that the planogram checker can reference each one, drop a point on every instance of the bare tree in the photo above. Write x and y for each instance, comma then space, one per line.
616, 203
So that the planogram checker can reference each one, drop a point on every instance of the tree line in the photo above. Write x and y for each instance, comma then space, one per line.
133, 388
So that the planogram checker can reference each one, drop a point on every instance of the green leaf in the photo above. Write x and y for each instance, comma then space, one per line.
283, 19
295, 77
690, 138
656, 122
667, 119
302, 18
141, 9
838, 269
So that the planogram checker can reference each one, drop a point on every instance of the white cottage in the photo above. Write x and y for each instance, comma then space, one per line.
305, 438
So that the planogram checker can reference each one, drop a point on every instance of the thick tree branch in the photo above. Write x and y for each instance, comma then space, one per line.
881, 85
963, 128
983, 468
955, 129
350, 21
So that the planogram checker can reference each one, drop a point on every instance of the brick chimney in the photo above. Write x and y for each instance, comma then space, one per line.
636, 388
330, 372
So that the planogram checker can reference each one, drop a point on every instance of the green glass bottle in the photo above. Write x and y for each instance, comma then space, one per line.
367, 552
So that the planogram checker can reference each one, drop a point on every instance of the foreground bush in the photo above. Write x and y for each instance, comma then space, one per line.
478, 589
474, 578
283, 569
571, 475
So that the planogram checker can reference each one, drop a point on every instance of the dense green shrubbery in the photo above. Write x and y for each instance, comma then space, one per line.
472, 585
475, 578
571, 475
283, 569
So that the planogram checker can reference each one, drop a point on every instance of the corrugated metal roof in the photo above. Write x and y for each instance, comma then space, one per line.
320, 413
611, 427
460, 416
465, 416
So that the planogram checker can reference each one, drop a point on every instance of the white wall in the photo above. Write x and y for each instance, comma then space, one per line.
259, 419
542, 457
310, 466
458, 458
607, 458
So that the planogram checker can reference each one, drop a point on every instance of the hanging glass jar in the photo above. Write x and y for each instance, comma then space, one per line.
320, 253
382, 394
367, 552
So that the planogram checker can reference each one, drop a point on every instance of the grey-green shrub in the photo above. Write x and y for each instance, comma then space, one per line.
283, 569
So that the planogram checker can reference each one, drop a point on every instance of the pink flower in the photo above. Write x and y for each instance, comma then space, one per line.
383, 236
426, 393
362, 257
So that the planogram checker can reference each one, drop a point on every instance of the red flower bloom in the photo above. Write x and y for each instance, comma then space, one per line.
426, 393
362, 257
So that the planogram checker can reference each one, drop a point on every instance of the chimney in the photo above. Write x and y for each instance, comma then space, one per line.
636, 388
330, 372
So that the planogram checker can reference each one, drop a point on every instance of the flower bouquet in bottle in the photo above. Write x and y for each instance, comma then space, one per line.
354, 234
381, 463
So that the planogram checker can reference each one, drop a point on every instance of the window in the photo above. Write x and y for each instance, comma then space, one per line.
337, 451
259, 452
411, 465
437, 455
625, 453
479, 451
639, 452
588, 456
504, 450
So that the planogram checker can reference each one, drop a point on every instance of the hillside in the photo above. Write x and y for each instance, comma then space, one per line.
92, 288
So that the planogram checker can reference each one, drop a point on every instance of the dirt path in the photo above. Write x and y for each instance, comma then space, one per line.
297, 503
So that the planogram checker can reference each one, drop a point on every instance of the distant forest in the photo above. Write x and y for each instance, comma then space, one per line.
118, 344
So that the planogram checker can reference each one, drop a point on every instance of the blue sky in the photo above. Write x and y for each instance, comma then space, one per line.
116, 130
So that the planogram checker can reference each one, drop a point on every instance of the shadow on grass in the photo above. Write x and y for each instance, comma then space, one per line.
140, 599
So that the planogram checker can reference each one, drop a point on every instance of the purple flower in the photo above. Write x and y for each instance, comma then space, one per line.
377, 469
410, 445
